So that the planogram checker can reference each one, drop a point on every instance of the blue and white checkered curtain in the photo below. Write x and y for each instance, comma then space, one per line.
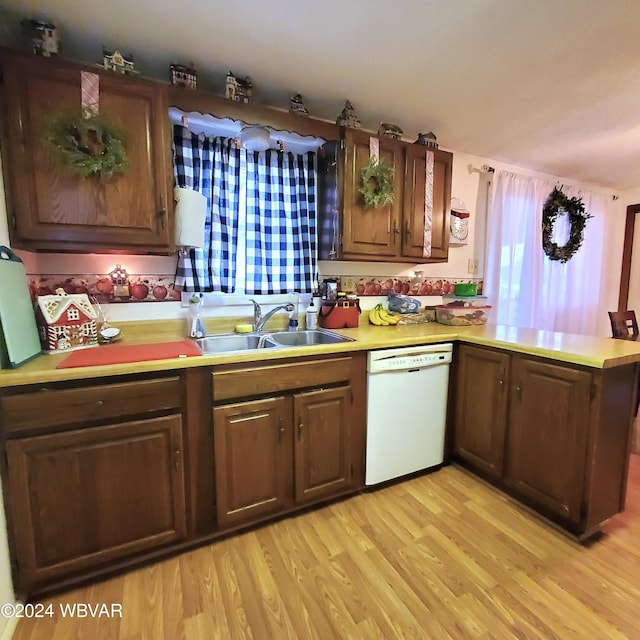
210, 166
282, 235
277, 193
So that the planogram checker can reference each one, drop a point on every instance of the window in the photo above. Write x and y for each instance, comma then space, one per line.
261, 225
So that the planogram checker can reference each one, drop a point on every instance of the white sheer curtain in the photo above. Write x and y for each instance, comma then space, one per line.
527, 288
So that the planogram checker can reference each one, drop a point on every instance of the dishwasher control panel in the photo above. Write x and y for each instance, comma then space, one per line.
406, 358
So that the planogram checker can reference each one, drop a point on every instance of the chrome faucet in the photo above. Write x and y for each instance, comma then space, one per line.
259, 320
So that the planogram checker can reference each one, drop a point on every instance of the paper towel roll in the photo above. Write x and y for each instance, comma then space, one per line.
191, 209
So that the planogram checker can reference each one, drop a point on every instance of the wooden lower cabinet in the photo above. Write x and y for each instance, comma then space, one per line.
481, 408
83, 498
274, 453
297, 439
553, 435
252, 445
548, 434
322, 459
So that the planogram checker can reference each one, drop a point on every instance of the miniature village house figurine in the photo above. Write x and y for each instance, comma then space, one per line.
66, 321
390, 131
43, 37
115, 61
296, 106
427, 139
183, 76
348, 117
238, 90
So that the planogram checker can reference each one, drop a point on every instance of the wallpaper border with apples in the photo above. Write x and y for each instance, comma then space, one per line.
142, 288
161, 288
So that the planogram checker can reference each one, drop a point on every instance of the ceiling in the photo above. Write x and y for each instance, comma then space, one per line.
546, 85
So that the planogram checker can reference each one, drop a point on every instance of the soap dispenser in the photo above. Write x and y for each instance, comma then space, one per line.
311, 317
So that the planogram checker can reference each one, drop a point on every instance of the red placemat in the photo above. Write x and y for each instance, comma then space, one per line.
119, 353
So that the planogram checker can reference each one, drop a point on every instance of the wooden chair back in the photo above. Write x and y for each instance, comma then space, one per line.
624, 324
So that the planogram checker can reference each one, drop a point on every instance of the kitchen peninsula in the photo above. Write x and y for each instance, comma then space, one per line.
543, 416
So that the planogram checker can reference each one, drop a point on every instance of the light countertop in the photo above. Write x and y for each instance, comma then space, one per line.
587, 351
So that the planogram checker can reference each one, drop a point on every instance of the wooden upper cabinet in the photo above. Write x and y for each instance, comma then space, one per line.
368, 233
395, 233
414, 203
50, 210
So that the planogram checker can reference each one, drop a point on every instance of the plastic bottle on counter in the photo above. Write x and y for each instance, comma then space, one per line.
311, 317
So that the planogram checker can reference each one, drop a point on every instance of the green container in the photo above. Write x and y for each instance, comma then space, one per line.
465, 289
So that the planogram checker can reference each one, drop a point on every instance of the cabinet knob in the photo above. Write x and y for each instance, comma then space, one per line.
280, 430
300, 427
176, 455
99, 403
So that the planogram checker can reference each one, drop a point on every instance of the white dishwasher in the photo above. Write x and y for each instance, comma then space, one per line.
406, 410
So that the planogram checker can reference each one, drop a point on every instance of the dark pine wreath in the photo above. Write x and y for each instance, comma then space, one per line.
86, 144
556, 204
376, 183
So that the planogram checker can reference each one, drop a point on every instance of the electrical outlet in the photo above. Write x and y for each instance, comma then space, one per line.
472, 266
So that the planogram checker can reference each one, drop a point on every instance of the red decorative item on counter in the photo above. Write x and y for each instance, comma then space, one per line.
339, 314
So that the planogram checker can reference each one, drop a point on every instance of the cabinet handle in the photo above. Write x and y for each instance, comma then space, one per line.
99, 403
280, 430
518, 387
396, 229
163, 212
501, 378
407, 231
176, 454
300, 427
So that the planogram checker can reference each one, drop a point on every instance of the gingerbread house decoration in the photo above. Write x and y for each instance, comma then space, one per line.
388, 130
66, 321
115, 61
238, 90
43, 37
183, 76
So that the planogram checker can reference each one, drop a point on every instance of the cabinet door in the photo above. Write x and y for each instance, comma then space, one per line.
253, 457
548, 433
51, 210
367, 232
414, 203
322, 443
481, 408
83, 498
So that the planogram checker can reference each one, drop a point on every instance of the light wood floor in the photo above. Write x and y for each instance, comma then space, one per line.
441, 556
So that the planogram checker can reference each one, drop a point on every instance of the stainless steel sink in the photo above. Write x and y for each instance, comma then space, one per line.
307, 338
244, 342
232, 342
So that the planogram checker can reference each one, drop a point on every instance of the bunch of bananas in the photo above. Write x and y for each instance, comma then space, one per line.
380, 317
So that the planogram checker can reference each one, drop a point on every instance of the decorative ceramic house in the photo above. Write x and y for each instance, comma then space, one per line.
66, 321
390, 131
427, 139
296, 106
348, 117
115, 61
238, 90
43, 37
183, 76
